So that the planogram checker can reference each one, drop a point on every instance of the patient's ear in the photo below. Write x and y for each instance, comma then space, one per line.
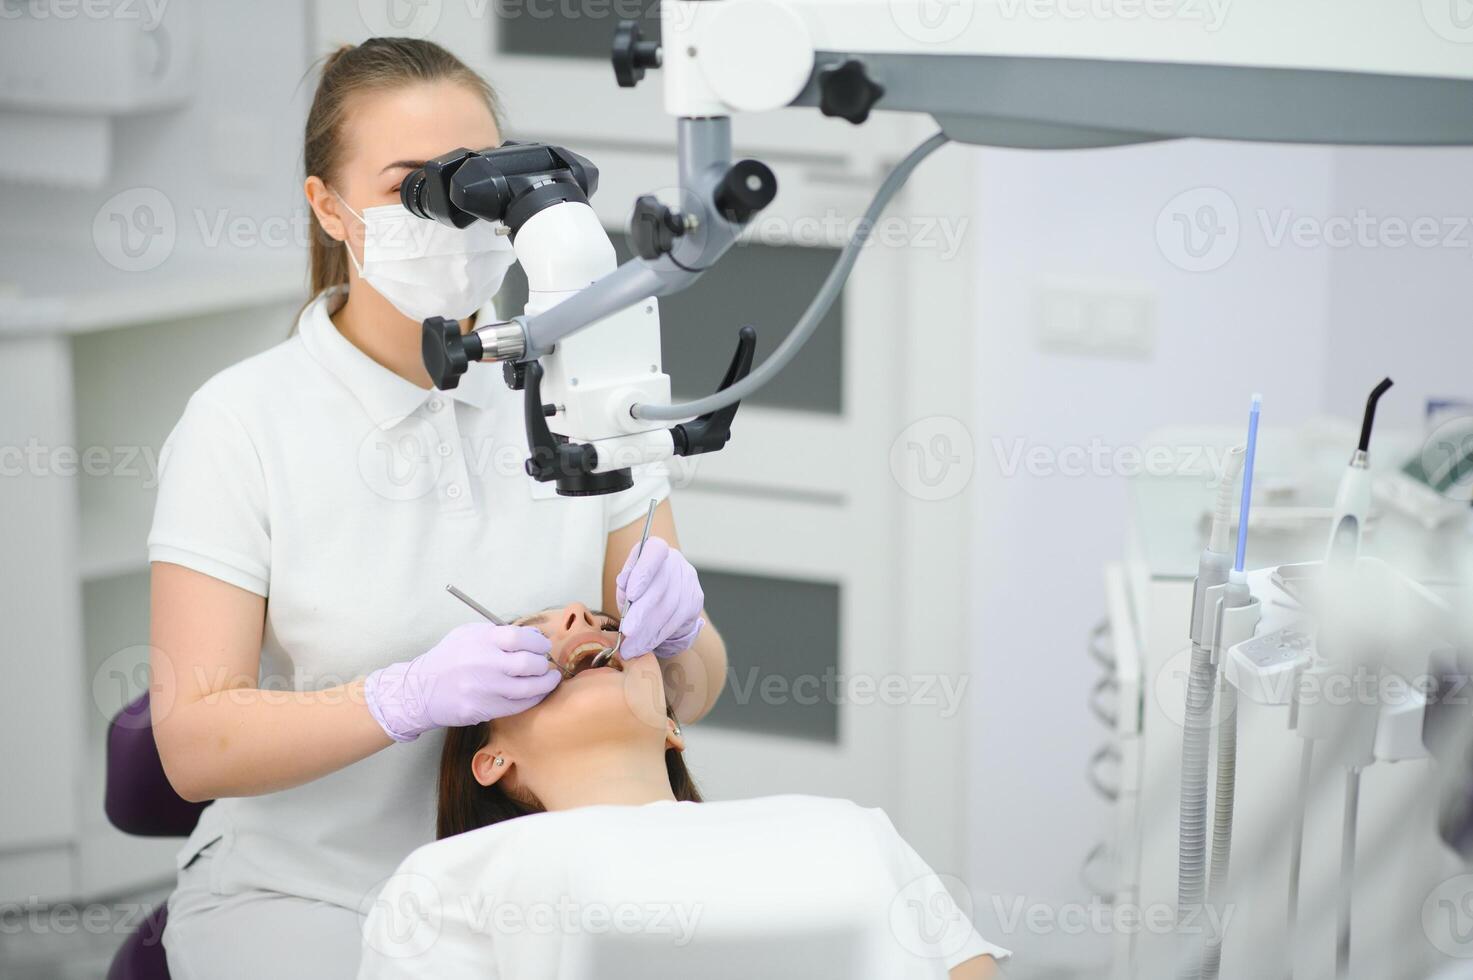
488, 766
674, 737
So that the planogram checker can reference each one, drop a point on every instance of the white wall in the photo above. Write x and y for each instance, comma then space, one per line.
1398, 308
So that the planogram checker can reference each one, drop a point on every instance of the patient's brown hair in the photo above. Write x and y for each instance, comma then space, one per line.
467, 805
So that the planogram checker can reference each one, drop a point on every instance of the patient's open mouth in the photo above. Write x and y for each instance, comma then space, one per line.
583, 650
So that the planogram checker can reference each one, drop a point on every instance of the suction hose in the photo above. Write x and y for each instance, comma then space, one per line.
1222, 823
1197, 722
817, 307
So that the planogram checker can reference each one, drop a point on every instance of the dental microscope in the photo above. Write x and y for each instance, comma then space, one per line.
591, 388
585, 352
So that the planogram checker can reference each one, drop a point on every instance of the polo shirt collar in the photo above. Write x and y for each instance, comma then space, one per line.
385, 396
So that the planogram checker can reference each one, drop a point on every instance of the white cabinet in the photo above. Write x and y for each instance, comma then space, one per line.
91, 390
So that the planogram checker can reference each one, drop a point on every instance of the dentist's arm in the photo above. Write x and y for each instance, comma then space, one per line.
694, 668
219, 734
976, 968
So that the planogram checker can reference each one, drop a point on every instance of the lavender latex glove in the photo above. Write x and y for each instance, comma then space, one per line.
476, 673
662, 601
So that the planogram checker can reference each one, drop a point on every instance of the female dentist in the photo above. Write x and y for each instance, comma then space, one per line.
314, 501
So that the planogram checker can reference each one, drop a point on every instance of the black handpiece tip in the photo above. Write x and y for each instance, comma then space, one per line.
1370, 417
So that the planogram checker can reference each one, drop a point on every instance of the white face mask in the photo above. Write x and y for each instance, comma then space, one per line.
429, 269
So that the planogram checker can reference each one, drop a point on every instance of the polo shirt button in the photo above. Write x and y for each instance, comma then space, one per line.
436, 404
453, 491
443, 449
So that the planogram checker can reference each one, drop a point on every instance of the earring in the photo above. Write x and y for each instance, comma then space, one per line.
498, 761
677, 728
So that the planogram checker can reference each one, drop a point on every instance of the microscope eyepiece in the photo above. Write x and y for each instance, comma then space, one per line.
507, 183
411, 193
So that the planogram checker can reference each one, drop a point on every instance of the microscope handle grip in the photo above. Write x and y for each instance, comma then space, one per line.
447, 352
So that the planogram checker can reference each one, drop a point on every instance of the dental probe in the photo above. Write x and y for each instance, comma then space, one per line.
495, 619
486, 613
600, 659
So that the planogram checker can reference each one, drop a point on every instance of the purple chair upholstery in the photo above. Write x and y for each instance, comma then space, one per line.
138, 798
139, 801
141, 957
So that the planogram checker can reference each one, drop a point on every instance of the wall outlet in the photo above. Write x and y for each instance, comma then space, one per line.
1106, 320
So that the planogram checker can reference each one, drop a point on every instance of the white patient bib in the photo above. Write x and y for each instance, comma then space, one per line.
784, 886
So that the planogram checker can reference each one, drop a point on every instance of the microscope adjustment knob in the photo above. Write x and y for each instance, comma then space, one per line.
632, 54
748, 187
848, 92
514, 373
653, 227
446, 351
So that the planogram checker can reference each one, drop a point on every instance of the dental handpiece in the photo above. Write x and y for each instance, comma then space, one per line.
497, 620
649, 518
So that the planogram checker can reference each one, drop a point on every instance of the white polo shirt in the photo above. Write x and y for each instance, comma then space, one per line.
349, 497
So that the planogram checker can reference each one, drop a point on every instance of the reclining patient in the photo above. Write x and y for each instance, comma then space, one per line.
573, 843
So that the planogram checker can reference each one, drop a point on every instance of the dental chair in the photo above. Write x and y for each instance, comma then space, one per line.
139, 801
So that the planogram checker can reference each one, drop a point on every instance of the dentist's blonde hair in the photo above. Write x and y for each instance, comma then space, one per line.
377, 64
